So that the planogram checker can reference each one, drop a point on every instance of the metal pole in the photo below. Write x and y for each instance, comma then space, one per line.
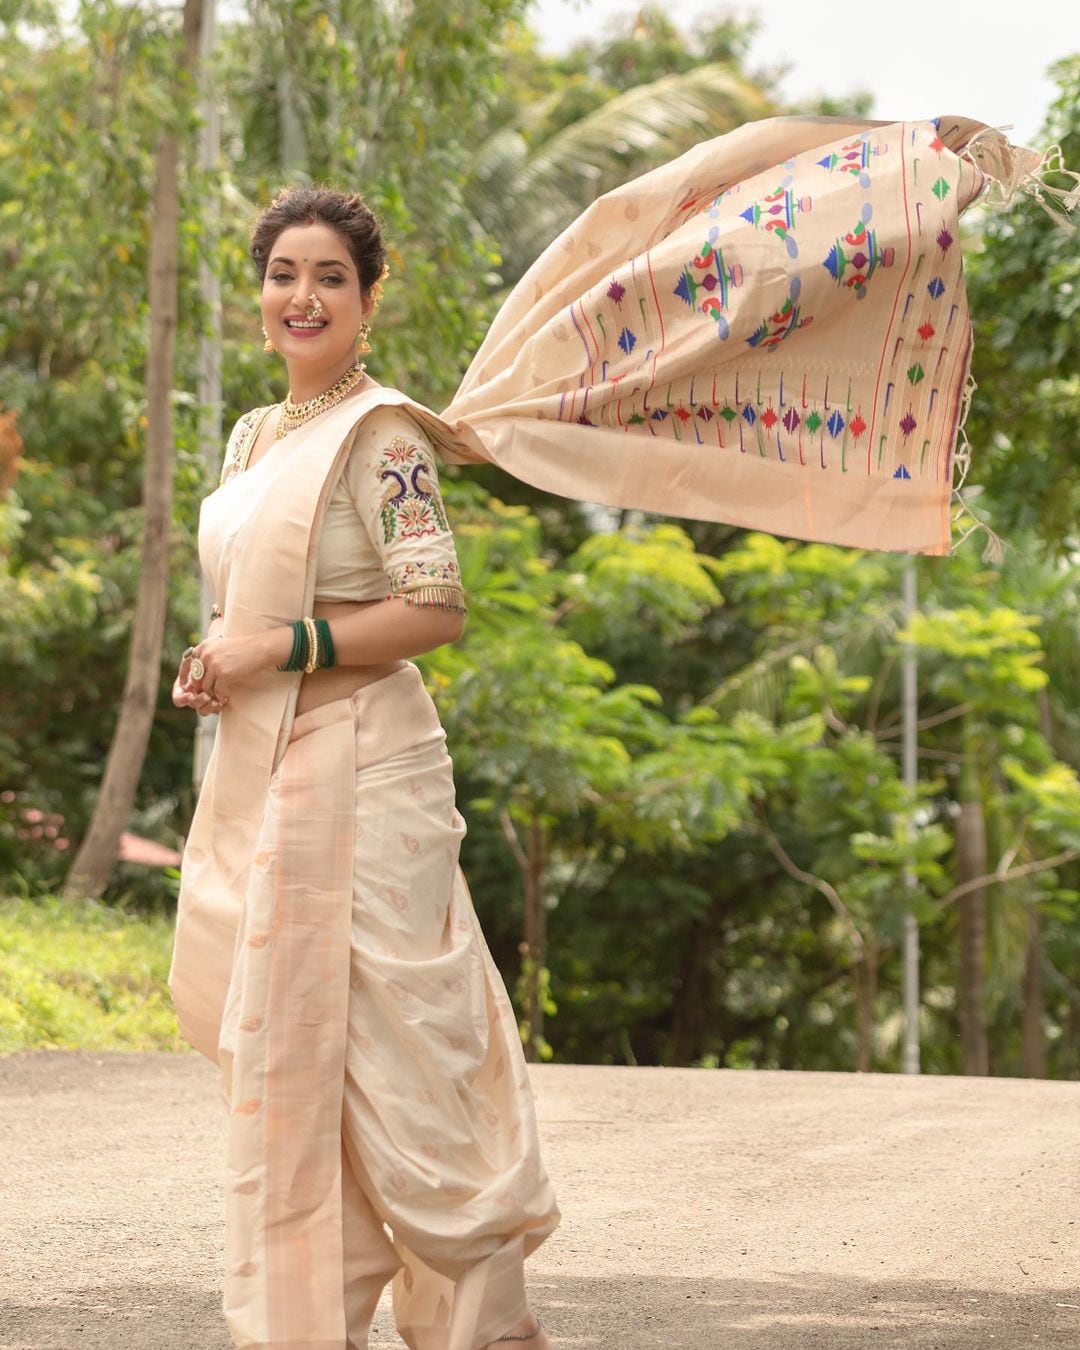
909, 716
209, 355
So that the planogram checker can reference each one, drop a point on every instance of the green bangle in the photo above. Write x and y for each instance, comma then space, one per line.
299, 655
326, 645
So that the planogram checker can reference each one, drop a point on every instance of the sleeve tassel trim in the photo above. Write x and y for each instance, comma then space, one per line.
434, 597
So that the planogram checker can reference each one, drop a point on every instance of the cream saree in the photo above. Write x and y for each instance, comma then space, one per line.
329, 959
771, 331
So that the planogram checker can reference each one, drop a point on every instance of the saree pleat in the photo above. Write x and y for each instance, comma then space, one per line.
371, 1055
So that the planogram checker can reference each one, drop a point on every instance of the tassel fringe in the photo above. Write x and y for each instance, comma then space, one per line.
964, 518
1011, 169
435, 597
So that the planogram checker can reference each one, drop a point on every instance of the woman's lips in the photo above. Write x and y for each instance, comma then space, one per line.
305, 332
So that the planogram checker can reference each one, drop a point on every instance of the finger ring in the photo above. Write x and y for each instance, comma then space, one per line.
198, 670
189, 652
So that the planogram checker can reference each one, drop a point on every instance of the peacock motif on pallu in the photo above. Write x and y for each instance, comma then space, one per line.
705, 283
776, 327
854, 159
775, 213
411, 505
855, 257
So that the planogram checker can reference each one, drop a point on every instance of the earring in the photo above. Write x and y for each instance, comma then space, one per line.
363, 346
268, 345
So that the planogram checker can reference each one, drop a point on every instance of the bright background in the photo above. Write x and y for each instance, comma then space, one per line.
981, 58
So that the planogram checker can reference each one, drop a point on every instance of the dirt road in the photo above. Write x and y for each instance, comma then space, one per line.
703, 1209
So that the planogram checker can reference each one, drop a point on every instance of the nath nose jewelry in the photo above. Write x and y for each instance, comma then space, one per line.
314, 309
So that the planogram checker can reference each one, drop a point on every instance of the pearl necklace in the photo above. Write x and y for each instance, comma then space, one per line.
294, 415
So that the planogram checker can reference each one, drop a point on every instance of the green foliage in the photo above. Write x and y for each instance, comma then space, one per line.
703, 723
1025, 288
82, 976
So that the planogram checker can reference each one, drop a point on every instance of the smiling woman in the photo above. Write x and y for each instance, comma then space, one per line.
328, 958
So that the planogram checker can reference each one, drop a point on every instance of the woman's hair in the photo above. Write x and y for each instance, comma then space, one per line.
347, 213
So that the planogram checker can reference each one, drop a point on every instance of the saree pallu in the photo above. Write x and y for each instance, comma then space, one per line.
771, 331
371, 1056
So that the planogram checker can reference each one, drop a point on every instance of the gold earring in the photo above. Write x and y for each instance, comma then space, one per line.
363, 346
268, 345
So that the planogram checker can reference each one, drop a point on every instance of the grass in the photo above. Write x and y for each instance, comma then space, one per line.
82, 976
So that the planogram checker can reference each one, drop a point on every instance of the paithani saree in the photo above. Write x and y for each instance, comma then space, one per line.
771, 331
328, 958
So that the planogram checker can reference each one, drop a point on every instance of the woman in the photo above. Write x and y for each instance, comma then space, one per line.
327, 953
771, 331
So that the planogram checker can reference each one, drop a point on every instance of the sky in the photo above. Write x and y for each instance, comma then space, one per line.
983, 59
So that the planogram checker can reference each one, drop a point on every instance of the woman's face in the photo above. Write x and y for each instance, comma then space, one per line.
308, 260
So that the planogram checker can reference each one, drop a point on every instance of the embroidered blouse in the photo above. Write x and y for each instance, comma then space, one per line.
385, 533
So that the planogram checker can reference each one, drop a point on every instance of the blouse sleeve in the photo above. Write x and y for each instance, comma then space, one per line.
392, 479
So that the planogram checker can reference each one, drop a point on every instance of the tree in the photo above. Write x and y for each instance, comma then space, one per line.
94, 860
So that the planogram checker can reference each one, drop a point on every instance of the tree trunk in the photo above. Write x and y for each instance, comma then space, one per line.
971, 863
689, 1009
1033, 1043
535, 945
96, 857
865, 977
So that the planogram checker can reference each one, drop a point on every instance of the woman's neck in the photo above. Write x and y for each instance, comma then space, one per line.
305, 384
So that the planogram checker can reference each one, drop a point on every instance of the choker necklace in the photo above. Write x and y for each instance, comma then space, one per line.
294, 415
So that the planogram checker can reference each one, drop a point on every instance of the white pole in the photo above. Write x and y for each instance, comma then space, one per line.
909, 715
209, 357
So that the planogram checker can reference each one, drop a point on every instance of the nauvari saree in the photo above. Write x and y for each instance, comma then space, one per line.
771, 331
328, 958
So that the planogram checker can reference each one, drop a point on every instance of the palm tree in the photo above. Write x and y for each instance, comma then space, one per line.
527, 186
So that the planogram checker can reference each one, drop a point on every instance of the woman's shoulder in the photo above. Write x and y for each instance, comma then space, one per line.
393, 416
387, 421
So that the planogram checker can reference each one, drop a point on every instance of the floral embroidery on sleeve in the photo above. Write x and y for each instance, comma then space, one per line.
411, 506
434, 584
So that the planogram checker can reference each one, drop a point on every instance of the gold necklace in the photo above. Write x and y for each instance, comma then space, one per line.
294, 415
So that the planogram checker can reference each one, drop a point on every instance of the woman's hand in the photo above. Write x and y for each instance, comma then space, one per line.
209, 672
185, 697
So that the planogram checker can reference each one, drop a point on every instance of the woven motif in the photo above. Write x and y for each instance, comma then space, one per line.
771, 331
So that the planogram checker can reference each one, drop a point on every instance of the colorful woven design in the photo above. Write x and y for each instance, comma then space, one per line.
772, 331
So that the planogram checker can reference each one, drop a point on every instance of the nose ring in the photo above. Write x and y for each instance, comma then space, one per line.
314, 309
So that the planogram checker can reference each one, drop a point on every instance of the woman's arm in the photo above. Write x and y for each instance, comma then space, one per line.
391, 631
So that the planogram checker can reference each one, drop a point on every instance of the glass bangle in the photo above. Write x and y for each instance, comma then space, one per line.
328, 657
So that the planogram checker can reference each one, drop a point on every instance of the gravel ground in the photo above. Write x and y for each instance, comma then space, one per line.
708, 1209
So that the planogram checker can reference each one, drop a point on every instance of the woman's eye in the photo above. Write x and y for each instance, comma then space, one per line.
280, 276
335, 279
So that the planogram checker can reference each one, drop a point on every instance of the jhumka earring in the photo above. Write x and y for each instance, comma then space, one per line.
363, 346
268, 345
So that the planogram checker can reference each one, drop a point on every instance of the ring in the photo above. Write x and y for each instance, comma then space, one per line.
189, 652
198, 670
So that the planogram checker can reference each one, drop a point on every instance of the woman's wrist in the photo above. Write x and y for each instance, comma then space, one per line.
276, 644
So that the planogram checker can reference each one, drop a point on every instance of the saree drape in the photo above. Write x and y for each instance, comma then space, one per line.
771, 331
328, 958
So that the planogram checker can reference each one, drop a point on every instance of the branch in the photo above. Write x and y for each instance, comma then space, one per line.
925, 753
819, 883
512, 839
934, 720
992, 878
878, 692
